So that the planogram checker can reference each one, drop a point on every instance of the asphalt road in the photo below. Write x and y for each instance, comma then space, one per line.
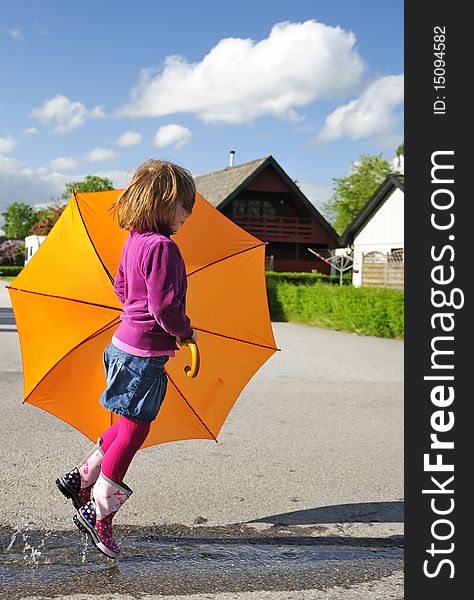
311, 457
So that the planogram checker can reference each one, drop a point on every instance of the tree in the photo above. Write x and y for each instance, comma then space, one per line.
47, 216
352, 192
19, 217
91, 183
45, 219
400, 156
401, 150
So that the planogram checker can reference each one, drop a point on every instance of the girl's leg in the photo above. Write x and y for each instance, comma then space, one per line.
129, 437
77, 483
109, 436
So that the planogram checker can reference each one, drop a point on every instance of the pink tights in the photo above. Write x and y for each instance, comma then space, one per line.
120, 443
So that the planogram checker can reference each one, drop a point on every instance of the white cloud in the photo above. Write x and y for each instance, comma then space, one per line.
64, 164
31, 131
371, 115
120, 179
39, 186
100, 155
240, 80
6, 144
21, 183
129, 138
175, 135
316, 192
64, 114
16, 34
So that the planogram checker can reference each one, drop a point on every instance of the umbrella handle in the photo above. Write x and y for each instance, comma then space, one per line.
193, 370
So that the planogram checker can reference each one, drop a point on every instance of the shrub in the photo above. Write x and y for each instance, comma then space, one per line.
12, 252
9, 271
365, 311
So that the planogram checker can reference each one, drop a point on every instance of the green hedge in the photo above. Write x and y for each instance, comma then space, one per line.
308, 278
9, 270
365, 311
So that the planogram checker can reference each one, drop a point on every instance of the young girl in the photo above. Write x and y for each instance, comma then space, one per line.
151, 285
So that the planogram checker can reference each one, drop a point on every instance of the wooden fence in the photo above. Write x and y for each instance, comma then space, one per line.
383, 270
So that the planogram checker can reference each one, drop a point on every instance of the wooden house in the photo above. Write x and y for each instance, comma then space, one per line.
262, 199
376, 237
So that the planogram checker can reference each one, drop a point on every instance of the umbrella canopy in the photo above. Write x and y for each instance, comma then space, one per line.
66, 313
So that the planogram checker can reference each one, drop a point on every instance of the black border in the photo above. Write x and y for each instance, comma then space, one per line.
425, 133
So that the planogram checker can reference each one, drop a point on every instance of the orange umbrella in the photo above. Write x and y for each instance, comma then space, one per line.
66, 312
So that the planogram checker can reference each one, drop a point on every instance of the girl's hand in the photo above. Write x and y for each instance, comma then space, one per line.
184, 342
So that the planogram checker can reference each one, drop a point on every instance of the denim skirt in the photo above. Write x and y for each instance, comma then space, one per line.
136, 386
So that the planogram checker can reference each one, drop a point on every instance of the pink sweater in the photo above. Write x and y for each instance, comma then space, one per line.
151, 285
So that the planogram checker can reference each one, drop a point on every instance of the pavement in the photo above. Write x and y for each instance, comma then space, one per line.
314, 444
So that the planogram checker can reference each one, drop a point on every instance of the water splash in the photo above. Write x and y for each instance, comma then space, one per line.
35, 550
85, 549
35, 553
15, 533
33, 547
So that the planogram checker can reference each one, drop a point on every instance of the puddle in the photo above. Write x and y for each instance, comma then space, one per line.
181, 560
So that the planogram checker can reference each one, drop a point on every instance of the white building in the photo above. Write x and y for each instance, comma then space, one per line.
376, 235
32, 243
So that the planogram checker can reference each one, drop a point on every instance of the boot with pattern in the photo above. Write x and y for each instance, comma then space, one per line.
77, 484
95, 517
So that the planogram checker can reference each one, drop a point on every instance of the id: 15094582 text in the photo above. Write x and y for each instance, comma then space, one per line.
439, 70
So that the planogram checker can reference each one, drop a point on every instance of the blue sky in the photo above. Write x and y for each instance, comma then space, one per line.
97, 87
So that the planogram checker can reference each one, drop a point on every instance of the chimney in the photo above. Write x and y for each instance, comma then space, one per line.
231, 158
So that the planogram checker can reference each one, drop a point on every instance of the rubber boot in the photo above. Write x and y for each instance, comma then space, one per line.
95, 517
77, 484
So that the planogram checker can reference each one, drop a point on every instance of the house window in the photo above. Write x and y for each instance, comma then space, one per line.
238, 209
268, 210
253, 209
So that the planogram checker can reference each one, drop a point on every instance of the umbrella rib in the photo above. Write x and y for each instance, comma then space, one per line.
234, 339
93, 335
92, 243
64, 298
192, 409
226, 257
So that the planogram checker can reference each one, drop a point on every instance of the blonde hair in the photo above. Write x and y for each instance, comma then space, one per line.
150, 200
